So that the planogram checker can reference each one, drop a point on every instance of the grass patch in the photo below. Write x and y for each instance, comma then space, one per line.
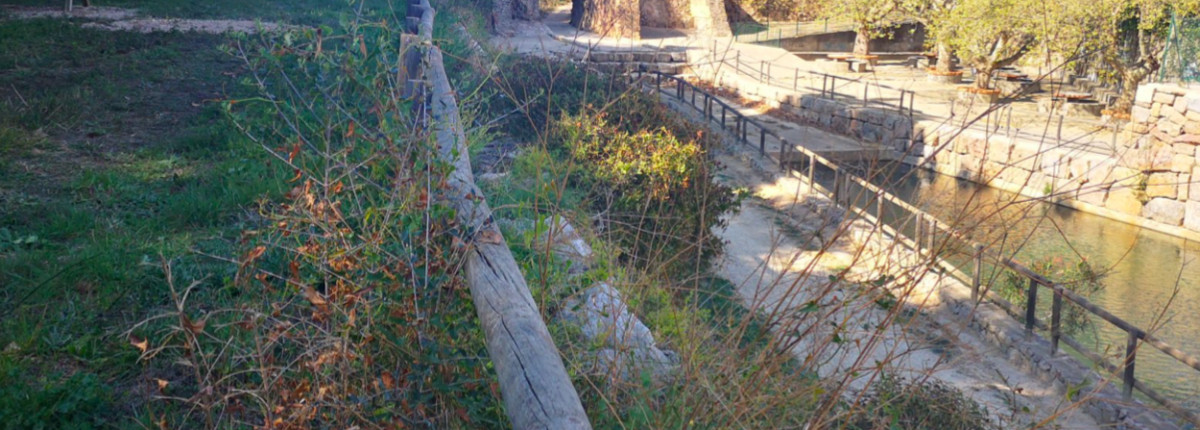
113, 153
306, 12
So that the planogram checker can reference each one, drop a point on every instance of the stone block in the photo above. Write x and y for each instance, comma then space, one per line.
1194, 105
1192, 127
1162, 184
1191, 216
1163, 97
1166, 211
1156, 110
1194, 185
1182, 163
1181, 104
870, 132
1169, 128
1184, 148
1124, 200
1175, 117
1139, 115
1091, 195
1145, 93
1192, 115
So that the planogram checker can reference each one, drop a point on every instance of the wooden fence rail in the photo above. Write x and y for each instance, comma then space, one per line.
536, 388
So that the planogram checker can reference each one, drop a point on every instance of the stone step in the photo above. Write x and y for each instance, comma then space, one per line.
627, 67
631, 57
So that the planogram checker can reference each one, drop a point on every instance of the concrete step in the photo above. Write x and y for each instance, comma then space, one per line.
631, 57
627, 67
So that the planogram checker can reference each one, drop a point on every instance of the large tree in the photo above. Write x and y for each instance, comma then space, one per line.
991, 34
934, 15
871, 18
611, 18
1132, 35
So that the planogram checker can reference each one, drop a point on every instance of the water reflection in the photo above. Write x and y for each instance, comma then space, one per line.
1146, 270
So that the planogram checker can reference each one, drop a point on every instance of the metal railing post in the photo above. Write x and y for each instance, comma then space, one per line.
878, 210
796, 80
1030, 305
976, 280
1056, 319
866, 92
812, 167
783, 153
762, 140
1130, 359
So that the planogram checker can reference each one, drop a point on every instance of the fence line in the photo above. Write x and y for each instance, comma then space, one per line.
535, 386
927, 228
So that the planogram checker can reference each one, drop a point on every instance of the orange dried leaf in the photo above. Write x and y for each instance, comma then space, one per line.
162, 384
253, 254
139, 343
313, 296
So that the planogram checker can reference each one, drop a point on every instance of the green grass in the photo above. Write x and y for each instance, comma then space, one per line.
112, 154
294, 11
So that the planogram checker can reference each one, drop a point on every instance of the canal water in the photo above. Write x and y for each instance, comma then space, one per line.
1149, 279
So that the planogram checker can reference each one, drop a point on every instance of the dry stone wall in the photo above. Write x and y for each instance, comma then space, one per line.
885, 126
1149, 178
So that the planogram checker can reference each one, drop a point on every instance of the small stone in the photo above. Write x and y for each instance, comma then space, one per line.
1182, 163
1156, 110
1170, 128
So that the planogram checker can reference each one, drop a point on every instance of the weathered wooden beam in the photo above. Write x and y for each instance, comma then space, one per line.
537, 391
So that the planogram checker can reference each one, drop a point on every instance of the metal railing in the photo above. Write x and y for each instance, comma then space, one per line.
995, 119
925, 240
775, 31
832, 86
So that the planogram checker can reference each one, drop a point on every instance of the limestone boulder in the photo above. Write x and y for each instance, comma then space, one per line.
1166, 211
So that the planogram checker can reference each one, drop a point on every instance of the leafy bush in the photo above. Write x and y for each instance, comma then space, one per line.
895, 403
1080, 278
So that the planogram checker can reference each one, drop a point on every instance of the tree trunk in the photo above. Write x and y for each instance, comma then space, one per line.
983, 76
502, 17
611, 18
862, 40
1131, 78
528, 10
944, 58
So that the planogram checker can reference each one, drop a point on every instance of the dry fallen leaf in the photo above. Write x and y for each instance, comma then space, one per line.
313, 296
139, 343
253, 254
162, 384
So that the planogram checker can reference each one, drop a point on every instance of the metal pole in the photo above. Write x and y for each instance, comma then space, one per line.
976, 280
796, 81
1030, 305
879, 210
783, 153
722, 115
812, 166
1055, 320
866, 92
762, 140
918, 237
1130, 359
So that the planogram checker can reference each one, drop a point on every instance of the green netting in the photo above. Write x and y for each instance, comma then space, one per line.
1181, 58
